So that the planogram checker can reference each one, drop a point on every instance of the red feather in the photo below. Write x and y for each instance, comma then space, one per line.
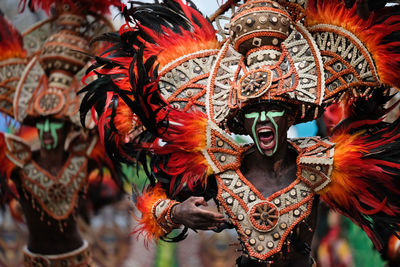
365, 179
148, 225
11, 44
183, 141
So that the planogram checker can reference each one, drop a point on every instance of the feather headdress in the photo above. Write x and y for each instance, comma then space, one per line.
11, 43
128, 76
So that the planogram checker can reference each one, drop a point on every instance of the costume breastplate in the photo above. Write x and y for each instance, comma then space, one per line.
263, 224
57, 195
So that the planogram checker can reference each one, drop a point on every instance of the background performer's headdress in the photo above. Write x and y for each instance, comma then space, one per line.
46, 75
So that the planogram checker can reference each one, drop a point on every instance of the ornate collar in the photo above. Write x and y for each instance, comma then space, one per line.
264, 223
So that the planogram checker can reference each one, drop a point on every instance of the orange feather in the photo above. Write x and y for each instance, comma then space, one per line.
364, 181
170, 45
148, 226
185, 140
11, 45
7, 166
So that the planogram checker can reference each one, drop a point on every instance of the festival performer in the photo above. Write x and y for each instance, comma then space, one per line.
277, 63
40, 75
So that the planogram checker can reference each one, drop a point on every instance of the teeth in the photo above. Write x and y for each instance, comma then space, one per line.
265, 131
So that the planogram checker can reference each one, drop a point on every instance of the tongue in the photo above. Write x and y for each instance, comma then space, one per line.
266, 137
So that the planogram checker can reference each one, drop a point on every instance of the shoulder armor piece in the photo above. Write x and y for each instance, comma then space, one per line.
315, 161
17, 150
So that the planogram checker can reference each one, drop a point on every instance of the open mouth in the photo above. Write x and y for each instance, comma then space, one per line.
266, 137
47, 139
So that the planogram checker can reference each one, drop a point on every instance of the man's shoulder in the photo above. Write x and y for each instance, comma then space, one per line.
310, 144
16, 149
315, 160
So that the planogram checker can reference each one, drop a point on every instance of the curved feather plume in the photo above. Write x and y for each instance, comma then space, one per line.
365, 179
11, 43
170, 44
183, 143
154, 35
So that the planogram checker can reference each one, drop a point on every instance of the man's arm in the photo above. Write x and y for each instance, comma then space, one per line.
190, 214
160, 214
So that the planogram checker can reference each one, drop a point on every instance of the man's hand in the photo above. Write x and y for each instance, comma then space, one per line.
192, 216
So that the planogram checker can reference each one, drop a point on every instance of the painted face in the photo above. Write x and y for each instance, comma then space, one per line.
50, 131
267, 125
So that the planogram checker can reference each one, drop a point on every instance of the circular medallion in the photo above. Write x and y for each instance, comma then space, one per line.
264, 216
48, 103
254, 84
57, 192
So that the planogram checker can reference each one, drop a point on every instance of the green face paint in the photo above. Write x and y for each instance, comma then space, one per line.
255, 116
52, 127
271, 115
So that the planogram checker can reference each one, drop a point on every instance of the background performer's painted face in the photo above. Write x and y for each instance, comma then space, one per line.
267, 125
49, 134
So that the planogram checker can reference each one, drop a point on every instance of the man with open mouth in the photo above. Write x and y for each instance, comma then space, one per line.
277, 63
267, 123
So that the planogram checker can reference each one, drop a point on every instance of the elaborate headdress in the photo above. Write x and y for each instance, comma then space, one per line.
44, 77
185, 87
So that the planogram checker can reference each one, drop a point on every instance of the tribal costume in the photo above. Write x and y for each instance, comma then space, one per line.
171, 91
40, 74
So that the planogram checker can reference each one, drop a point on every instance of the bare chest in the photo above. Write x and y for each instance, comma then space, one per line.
267, 183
